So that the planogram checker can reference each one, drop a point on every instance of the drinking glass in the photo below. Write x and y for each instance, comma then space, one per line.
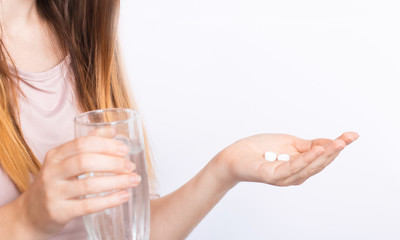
131, 220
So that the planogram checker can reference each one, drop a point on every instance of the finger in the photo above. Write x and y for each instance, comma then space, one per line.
95, 185
89, 144
292, 167
349, 137
321, 142
303, 145
316, 166
301, 178
332, 150
87, 206
94, 162
107, 132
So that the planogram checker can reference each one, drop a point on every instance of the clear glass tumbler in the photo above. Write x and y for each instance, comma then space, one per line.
131, 220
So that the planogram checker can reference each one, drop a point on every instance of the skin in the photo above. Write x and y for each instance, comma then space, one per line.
27, 38
53, 200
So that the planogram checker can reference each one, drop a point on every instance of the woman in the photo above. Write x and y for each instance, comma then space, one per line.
39, 160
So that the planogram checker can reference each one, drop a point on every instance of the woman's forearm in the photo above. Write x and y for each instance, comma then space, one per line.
14, 223
10, 226
174, 216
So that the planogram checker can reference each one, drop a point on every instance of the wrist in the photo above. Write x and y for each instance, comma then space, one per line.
222, 172
13, 224
27, 222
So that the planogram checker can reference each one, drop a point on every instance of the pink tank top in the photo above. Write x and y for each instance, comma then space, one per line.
47, 122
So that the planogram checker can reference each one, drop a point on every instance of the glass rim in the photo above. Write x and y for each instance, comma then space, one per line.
134, 115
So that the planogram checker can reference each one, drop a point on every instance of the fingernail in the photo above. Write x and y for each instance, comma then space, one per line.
125, 196
135, 179
130, 166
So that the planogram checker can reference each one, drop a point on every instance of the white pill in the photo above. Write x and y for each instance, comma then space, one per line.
284, 157
270, 156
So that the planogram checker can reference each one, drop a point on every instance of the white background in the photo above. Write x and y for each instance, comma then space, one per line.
209, 72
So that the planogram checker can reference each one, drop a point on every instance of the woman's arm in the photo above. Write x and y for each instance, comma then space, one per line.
13, 224
174, 216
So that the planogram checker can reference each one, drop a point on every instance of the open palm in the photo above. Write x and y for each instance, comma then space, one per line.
245, 158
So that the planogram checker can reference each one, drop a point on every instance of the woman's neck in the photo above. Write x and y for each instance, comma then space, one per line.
29, 41
18, 13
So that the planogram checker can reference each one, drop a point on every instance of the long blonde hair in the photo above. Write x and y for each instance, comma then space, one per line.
87, 31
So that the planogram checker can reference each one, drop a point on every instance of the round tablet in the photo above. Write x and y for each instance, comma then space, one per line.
284, 157
270, 156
